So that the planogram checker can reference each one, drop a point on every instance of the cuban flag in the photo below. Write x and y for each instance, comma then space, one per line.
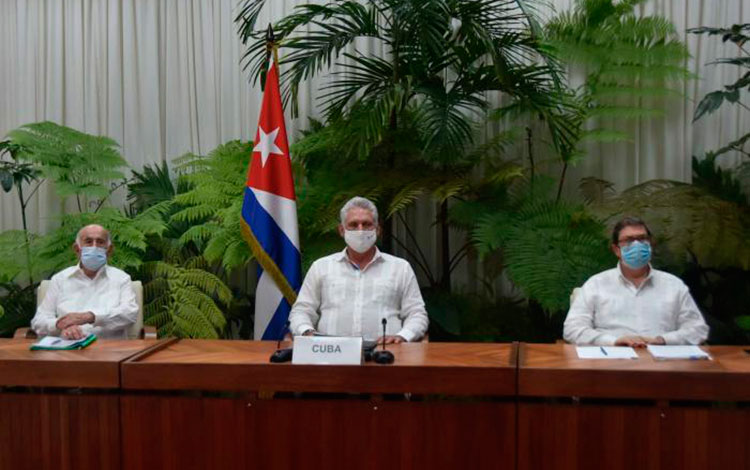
269, 216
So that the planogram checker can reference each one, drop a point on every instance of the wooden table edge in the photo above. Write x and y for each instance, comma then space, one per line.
111, 379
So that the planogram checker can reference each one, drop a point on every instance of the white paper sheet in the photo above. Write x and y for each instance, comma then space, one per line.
677, 352
606, 352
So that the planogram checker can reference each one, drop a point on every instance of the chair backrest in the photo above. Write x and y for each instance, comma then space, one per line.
134, 332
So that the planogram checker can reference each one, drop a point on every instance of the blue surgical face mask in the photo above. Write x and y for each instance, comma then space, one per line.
93, 257
636, 255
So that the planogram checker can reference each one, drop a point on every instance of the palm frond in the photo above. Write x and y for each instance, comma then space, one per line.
152, 186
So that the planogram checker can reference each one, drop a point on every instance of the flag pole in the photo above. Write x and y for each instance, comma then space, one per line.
270, 39
271, 48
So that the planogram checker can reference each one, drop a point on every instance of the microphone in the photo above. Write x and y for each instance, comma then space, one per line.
281, 336
383, 356
282, 355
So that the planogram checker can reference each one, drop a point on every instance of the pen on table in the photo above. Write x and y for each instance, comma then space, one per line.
603, 350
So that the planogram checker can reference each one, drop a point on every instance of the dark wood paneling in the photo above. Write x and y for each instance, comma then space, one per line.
59, 431
447, 368
559, 436
703, 437
182, 432
582, 437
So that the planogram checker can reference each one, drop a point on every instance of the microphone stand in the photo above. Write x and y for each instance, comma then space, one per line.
383, 356
282, 355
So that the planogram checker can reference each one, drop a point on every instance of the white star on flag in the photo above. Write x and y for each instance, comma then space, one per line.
267, 145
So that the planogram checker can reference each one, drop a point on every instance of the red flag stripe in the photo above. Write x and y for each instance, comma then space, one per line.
275, 176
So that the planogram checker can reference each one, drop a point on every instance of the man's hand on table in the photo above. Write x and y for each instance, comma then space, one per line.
75, 318
73, 332
639, 341
391, 339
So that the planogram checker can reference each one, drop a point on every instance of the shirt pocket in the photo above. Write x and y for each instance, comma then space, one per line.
333, 294
386, 294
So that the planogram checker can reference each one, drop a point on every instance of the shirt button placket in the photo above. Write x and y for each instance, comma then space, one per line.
358, 303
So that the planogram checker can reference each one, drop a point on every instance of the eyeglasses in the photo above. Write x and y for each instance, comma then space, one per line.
637, 238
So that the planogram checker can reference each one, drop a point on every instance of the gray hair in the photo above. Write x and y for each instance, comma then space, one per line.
80, 233
362, 203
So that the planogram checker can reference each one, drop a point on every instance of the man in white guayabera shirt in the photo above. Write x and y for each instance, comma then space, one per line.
90, 297
350, 292
634, 304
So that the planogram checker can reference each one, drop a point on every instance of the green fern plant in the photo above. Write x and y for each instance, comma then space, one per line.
185, 301
548, 247
80, 164
625, 58
631, 64
13, 242
185, 295
212, 206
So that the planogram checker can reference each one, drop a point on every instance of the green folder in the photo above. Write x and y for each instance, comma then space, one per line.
53, 343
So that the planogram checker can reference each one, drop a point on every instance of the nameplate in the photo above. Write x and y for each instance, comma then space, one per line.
326, 350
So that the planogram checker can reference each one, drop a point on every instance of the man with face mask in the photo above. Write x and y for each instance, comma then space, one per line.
90, 297
350, 292
634, 304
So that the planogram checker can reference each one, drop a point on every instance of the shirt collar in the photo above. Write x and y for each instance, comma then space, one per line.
628, 281
344, 257
78, 271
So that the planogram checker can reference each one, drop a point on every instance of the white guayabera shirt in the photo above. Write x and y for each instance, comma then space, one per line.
609, 306
109, 296
337, 298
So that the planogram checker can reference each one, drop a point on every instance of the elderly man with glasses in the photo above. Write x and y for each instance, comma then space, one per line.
90, 297
634, 304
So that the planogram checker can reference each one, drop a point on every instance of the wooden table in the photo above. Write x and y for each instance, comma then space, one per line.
70, 419
329, 417
578, 414
220, 404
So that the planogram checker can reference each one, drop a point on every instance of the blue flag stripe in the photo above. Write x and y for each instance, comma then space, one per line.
272, 239
275, 329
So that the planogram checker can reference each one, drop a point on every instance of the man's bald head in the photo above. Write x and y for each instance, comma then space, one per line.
93, 235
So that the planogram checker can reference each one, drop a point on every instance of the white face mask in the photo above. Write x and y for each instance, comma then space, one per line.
360, 240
